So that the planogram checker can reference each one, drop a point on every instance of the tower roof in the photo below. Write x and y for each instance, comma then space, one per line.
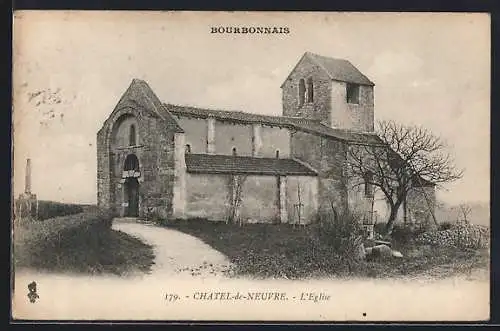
337, 69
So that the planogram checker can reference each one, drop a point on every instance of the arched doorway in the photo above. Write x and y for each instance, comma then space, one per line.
132, 197
131, 185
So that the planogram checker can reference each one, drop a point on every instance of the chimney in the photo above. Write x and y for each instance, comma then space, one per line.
27, 183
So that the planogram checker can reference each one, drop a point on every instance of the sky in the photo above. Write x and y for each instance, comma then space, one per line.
429, 69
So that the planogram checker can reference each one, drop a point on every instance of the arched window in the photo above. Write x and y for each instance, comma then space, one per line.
234, 151
310, 90
131, 136
277, 153
188, 149
302, 92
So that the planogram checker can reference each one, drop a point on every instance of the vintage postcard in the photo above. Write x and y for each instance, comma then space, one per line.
251, 166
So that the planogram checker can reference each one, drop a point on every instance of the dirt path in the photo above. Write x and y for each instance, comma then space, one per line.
176, 253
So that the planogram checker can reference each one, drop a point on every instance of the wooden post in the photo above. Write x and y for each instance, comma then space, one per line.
405, 216
299, 205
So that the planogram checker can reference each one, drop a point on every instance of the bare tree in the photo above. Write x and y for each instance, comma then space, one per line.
405, 157
235, 191
464, 211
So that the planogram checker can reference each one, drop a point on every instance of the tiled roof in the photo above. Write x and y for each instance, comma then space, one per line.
206, 163
146, 91
238, 116
297, 123
337, 69
342, 134
340, 69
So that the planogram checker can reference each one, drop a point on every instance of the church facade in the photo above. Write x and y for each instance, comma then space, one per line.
156, 159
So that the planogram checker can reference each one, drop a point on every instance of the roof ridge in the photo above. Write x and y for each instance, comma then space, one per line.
323, 60
243, 156
328, 57
352, 131
302, 119
196, 107
222, 110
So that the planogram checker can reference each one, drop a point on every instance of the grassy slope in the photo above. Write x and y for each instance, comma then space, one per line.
80, 243
264, 250
111, 252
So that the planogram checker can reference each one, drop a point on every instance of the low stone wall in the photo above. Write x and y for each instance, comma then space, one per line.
464, 236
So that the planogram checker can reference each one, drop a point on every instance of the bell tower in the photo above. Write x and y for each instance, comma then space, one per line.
331, 91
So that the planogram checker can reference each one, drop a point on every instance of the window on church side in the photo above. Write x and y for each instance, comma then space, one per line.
302, 92
310, 90
277, 154
234, 151
352, 93
131, 137
188, 148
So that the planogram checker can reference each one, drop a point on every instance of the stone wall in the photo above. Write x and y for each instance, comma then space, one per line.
249, 139
460, 235
260, 199
231, 135
307, 188
155, 152
329, 103
320, 108
207, 196
103, 170
179, 180
359, 203
344, 115
154, 149
195, 133
328, 157
275, 139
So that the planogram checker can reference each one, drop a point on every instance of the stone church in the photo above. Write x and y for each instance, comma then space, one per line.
156, 159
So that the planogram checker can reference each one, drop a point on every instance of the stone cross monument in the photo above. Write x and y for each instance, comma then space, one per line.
27, 203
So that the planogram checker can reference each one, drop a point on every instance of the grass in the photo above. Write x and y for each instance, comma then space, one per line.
267, 250
80, 243
430, 261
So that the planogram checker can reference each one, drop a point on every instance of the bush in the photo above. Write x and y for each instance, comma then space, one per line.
343, 234
466, 236
379, 227
405, 234
445, 226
